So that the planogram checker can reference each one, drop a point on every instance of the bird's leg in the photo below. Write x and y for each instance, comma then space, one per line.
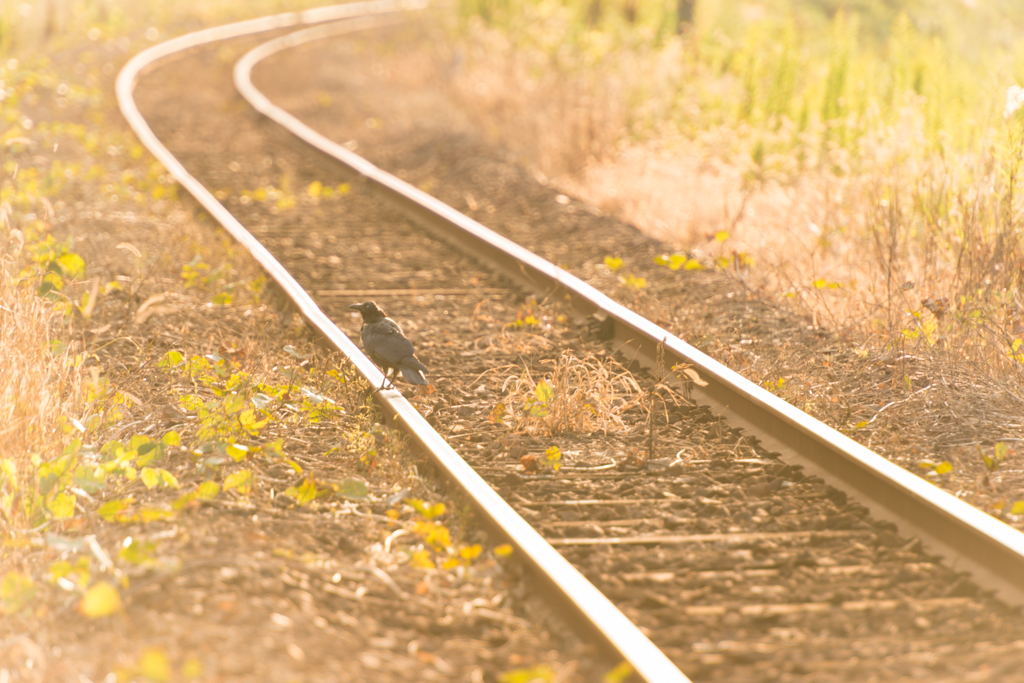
386, 380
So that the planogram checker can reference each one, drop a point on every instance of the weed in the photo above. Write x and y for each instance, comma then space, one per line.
578, 395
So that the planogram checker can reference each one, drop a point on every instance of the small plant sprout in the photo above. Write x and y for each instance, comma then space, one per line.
995, 461
613, 263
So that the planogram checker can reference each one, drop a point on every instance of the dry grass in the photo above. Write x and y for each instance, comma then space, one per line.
870, 239
578, 396
41, 381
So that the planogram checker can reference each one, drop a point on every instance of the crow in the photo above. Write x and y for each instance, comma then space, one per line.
387, 346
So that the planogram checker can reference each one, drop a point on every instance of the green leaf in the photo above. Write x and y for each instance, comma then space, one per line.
355, 489
232, 404
292, 351
155, 476
251, 423
146, 515
138, 552
150, 477
613, 263
171, 438
52, 472
304, 493
943, 468
148, 454
171, 359
62, 506
112, 509
16, 591
542, 397
91, 478
240, 480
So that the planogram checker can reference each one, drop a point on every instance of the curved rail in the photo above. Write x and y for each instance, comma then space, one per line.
968, 538
597, 612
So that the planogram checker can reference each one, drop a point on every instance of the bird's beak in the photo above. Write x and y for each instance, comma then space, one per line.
356, 307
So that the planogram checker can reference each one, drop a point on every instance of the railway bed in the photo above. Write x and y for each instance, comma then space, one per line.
736, 564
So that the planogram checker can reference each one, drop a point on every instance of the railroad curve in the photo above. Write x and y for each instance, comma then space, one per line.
541, 276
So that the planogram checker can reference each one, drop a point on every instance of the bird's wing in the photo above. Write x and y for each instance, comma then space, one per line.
385, 340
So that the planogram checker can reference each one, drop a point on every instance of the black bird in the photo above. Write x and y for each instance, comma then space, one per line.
387, 346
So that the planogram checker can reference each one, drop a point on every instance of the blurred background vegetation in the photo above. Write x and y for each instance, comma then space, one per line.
866, 147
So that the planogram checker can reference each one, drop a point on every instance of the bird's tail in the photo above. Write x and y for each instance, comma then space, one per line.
413, 376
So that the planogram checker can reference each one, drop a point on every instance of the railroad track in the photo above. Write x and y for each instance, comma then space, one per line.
738, 563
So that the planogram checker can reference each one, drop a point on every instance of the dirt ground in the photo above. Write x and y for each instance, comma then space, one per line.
258, 586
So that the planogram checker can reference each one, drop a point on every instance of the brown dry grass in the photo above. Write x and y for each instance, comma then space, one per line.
578, 396
41, 379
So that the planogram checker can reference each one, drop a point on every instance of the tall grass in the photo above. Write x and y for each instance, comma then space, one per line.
861, 157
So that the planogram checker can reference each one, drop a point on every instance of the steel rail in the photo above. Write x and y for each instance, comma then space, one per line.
598, 613
966, 537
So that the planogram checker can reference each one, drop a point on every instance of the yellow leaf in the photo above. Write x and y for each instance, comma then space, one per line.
208, 490
240, 480
101, 600
237, 452
150, 477
421, 559
470, 552
155, 666
191, 669
450, 563
503, 550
